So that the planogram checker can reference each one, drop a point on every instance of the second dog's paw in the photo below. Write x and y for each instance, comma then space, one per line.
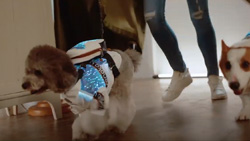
244, 115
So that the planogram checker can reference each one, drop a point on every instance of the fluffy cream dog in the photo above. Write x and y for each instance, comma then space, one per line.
51, 68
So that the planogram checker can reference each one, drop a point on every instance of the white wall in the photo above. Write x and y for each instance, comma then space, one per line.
231, 22
23, 25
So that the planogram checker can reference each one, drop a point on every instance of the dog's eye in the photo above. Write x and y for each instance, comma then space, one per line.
38, 73
245, 64
228, 65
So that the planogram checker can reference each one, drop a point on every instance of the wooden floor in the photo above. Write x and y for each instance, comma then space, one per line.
192, 117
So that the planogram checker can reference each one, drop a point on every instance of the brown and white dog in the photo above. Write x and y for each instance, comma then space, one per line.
235, 66
50, 68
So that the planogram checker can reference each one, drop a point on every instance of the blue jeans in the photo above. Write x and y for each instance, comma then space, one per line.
154, 12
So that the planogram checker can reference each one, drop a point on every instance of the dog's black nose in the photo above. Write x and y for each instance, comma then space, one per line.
234, 85
26, 85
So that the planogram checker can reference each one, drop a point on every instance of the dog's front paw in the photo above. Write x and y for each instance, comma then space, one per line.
244, 115
79, 137
116, 130
85, 137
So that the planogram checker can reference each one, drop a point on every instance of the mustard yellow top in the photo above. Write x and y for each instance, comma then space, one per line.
125, 17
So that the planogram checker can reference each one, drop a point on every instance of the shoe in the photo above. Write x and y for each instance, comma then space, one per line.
218, 91
180, 80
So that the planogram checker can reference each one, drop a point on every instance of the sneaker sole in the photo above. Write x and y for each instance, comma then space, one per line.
219, 97
185, 85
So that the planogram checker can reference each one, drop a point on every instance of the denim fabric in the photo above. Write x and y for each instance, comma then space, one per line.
154, 12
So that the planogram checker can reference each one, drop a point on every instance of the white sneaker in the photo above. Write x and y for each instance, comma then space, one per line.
217, 89
180, 80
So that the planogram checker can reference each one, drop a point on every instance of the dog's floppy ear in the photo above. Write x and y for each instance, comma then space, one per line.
58, 79
225, 48
65, 81
68, 76
60, 72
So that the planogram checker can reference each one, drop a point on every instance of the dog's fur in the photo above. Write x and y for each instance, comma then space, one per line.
235, 66
51, 68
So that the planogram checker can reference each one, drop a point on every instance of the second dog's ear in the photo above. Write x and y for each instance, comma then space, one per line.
225, 48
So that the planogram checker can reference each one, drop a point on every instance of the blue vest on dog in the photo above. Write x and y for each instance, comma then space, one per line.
95, 68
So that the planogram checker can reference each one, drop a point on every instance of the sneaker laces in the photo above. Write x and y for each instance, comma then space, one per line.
217, 85
179, 75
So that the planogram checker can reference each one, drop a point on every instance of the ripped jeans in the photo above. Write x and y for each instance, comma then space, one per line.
154, 12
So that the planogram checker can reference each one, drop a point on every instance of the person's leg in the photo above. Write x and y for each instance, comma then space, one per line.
154, 11
164, 36
205, 33
199, 15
